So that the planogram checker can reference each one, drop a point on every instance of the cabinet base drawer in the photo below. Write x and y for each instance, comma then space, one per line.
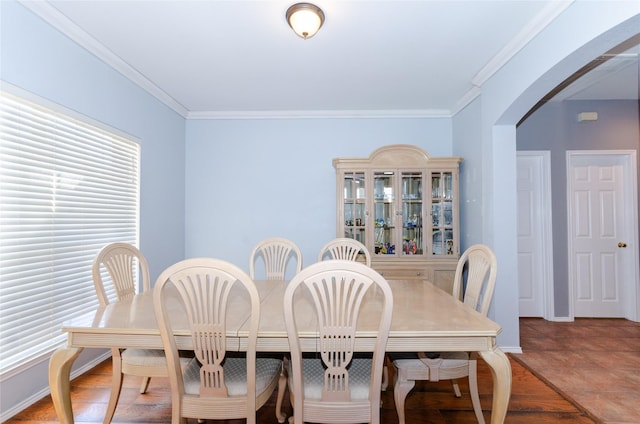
441, 274
403, 274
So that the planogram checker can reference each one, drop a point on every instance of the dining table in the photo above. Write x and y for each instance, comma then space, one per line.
425, 319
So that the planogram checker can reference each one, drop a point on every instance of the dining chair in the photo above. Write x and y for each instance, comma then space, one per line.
216, 385
351, 250
345, 248
121, 262
479, 264
276, 253
336, 384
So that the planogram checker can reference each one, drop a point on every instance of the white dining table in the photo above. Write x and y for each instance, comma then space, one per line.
425, 318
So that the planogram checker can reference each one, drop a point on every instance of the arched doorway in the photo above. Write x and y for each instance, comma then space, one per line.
555, 126
500, 112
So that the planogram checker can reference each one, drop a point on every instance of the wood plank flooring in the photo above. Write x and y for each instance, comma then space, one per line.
593, 361
532, 401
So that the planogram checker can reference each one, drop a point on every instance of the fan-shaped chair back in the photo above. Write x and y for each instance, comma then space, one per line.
480, 265
214, 386
344, 248
276, 252
120, 260
338, 387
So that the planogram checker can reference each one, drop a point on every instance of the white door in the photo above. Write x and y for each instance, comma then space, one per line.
602, 233
535, 275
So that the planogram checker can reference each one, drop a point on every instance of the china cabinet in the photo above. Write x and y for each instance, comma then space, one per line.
404, 206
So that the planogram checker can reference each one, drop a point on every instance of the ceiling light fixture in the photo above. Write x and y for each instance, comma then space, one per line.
305, 19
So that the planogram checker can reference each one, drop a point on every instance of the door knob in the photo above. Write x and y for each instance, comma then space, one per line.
621, 244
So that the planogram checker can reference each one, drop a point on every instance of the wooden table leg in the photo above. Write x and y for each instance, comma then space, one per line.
59, 371
501, 373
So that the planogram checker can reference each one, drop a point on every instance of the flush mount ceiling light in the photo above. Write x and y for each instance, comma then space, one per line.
305, 19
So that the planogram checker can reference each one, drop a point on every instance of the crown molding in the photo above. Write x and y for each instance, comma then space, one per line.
466, 99
55, 18
539, 22
322, 114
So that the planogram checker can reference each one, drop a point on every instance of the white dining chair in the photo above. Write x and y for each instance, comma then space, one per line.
216, 385
351, 250
345, 248
121, 261
275, 253
335, 385
480, 265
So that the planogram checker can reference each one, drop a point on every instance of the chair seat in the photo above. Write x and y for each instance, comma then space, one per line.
147, 363
235, 375
313, 374
144, 357
449, 360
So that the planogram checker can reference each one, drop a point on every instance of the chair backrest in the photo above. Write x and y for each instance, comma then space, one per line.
344, 248
338, 288
480, 264
275, 252
205, 288
120, 260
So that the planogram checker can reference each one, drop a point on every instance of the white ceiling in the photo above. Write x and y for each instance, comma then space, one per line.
239, 58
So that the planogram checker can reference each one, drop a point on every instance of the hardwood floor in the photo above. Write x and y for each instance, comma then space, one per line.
595, 362
532, 401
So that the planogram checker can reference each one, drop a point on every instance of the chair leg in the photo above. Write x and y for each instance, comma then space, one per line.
401, 389
473, 389
282, 387
145, 385
456, 388
385, 378
116, 385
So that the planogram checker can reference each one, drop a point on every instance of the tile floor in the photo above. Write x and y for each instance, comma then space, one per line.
593, 361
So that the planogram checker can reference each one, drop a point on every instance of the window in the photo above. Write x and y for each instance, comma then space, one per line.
67, 188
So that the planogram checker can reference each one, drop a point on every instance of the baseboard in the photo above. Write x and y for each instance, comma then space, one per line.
561, 319
511, 349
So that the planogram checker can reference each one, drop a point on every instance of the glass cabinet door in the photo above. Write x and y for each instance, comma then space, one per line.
412, 239
384, 218
442, 225
354, 203
403, 205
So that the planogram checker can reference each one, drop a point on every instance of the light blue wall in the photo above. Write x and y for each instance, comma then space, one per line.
467, 145
37, 58
251, 179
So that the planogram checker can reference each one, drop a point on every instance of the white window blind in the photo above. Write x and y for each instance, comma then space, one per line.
67, 188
